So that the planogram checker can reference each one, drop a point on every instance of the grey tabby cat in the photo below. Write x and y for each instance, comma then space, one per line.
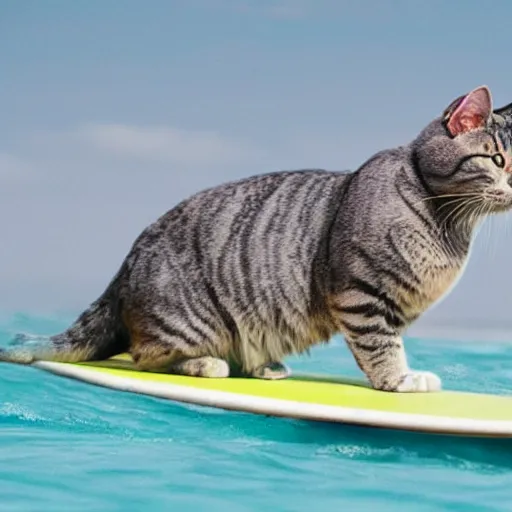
236, 277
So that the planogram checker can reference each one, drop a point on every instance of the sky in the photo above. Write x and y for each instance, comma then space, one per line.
112, 112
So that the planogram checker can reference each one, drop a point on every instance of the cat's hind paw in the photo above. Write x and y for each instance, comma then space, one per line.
208, 367
272, 371
419, 382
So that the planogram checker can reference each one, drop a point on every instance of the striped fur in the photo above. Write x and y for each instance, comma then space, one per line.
237, 277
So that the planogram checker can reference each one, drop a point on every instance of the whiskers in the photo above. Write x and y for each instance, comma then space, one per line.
459, 215
488, 238
461, 212
465, 209
464, 213
444, 196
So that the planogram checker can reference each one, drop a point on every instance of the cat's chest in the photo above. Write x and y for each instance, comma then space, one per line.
432, 274
432, 284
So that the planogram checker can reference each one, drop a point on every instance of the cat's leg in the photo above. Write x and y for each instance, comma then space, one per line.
382, 358
371, 323
171, 353
156, 356
258, 355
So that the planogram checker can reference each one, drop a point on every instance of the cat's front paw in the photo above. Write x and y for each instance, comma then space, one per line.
419, 382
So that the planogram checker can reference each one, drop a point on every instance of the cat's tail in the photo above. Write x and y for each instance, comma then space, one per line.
97, 334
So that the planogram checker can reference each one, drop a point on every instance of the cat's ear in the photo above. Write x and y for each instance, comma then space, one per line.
469, 112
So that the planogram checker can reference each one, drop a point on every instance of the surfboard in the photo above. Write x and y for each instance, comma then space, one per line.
309, 397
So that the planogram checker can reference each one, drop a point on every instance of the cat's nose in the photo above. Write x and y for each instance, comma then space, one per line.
509, 180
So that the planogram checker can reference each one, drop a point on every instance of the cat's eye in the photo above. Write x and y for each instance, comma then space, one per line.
498, 160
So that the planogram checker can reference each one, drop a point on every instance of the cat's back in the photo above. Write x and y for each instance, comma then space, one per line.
273, 208
273, 204
261, 228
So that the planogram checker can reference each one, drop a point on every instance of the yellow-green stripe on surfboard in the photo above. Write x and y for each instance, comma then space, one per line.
330, 391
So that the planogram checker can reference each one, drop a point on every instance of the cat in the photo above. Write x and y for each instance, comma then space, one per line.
237, 277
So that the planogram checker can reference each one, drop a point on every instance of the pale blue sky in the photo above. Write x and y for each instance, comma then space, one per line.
111, 112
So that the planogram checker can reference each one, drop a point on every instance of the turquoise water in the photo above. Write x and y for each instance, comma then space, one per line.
69, 446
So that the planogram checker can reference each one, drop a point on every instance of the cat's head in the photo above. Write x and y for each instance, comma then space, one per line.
467, 153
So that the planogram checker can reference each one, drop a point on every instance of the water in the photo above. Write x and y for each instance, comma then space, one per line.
69, 446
